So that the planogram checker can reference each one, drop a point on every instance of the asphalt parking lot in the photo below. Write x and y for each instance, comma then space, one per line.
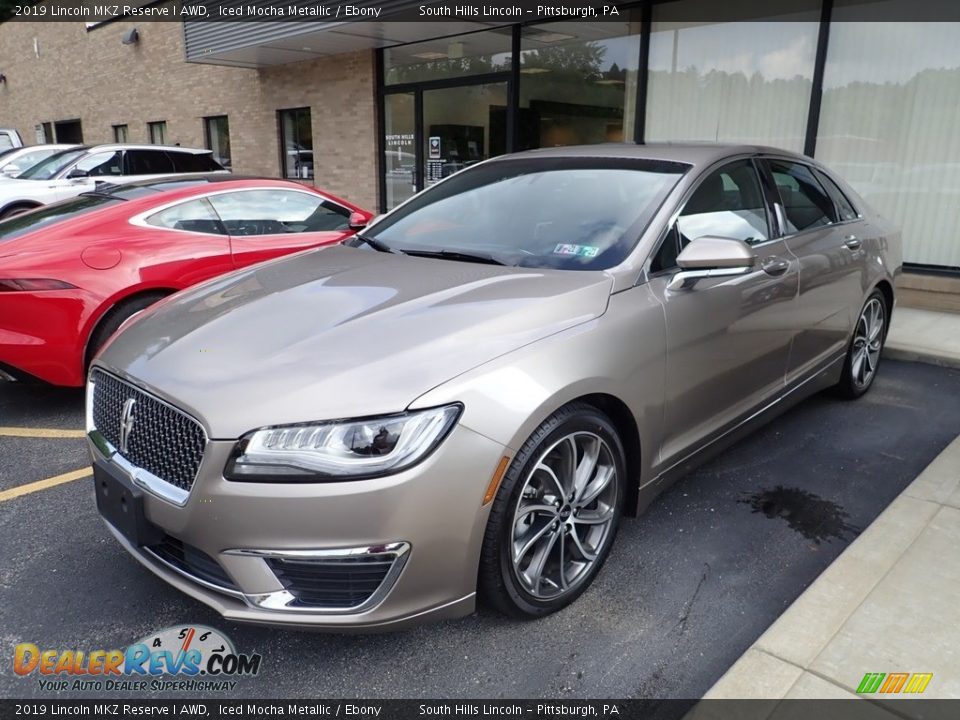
688, 587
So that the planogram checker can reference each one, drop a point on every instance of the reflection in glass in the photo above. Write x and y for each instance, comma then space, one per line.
746, 81
578, 83
888, 124
454, 57
218, 139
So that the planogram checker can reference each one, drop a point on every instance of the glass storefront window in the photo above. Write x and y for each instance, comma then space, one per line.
399, 151
454, 57
217, 130
889, 124
745, 81
578, 83
296, 143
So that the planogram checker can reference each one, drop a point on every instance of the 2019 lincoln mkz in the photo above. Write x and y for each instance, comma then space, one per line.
466, 397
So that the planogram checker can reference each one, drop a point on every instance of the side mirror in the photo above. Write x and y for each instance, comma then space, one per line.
712, 256
358, 221
77, 174
11, 170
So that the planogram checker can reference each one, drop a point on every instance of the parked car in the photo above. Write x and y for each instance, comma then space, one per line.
71, 273
71, 172
9, 138
467, 396
14, 161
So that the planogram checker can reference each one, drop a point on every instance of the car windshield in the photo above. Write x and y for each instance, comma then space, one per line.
565, 213
46, 169
51, 214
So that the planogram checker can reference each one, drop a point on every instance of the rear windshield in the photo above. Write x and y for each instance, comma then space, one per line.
52, 165
49, 215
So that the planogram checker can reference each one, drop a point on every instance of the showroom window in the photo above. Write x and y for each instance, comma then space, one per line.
120, 133
157, 132
296, 143
888, 124
217, 131
578, 82
746, 81
478, 53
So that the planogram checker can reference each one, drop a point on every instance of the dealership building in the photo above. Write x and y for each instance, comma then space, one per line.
375, 110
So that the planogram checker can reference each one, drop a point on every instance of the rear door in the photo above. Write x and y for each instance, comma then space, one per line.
832, 265
270, 222
728, 338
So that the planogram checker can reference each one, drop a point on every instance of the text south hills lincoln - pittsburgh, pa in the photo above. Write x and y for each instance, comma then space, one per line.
516, 11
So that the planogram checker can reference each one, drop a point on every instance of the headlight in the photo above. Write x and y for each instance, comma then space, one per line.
341, 450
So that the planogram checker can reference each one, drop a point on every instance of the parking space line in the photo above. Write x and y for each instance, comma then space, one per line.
40, 432
33, 487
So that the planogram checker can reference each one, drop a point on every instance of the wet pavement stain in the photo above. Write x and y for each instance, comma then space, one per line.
808, 514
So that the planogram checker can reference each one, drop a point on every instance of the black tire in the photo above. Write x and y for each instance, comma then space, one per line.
854, 382
499, 583
114, 318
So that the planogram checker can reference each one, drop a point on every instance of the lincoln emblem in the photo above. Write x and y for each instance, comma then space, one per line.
126, 423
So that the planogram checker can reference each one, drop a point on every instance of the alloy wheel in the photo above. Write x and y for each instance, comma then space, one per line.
564, 515
867, 342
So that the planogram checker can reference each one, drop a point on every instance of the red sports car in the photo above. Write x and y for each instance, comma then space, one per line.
73, 272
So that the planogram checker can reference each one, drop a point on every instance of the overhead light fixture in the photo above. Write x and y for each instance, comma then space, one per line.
534, 70
132, 37
455, 50
430, 55
609, 81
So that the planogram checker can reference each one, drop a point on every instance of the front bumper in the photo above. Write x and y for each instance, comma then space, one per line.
430, 517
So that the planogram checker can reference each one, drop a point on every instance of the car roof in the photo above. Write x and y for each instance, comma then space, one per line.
691, 153
129, 146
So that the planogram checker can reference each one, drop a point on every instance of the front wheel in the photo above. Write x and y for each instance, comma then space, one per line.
863, 355
556, 514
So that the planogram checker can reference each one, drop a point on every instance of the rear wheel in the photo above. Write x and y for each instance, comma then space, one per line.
863, 355
556, 514
114, 318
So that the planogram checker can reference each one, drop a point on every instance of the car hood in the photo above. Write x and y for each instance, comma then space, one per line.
341, 332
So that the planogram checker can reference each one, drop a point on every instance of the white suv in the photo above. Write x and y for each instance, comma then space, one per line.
71, 172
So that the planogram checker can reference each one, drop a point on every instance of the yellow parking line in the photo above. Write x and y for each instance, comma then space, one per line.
40, 432
33, 487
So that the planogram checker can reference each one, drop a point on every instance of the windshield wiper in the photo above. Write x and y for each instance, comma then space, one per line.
458, 255
377, 245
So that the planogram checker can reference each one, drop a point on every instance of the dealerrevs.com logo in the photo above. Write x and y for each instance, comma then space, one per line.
199, 657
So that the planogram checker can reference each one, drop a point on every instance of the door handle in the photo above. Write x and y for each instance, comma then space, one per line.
774, 265
852, 242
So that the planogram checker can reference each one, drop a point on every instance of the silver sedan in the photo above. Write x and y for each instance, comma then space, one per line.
467, 397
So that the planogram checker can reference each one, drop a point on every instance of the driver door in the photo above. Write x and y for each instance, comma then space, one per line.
728, 337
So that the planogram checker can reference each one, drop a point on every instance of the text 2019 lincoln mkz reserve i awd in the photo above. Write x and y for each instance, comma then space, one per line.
466, 398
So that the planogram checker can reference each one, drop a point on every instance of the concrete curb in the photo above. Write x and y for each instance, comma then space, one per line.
829, 637
911, 354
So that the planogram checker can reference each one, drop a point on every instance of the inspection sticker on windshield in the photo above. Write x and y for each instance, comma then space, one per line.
579, 250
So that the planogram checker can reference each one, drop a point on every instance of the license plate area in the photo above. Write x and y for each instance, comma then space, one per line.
120, 502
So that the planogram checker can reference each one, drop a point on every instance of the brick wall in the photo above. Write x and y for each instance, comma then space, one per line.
60, 71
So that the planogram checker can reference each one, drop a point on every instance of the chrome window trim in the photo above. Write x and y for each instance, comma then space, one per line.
140, 220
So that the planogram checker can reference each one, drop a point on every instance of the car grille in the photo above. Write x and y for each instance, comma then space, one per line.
332, 582
192, 561
162, 440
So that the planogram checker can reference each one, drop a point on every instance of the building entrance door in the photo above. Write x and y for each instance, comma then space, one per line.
433, 129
